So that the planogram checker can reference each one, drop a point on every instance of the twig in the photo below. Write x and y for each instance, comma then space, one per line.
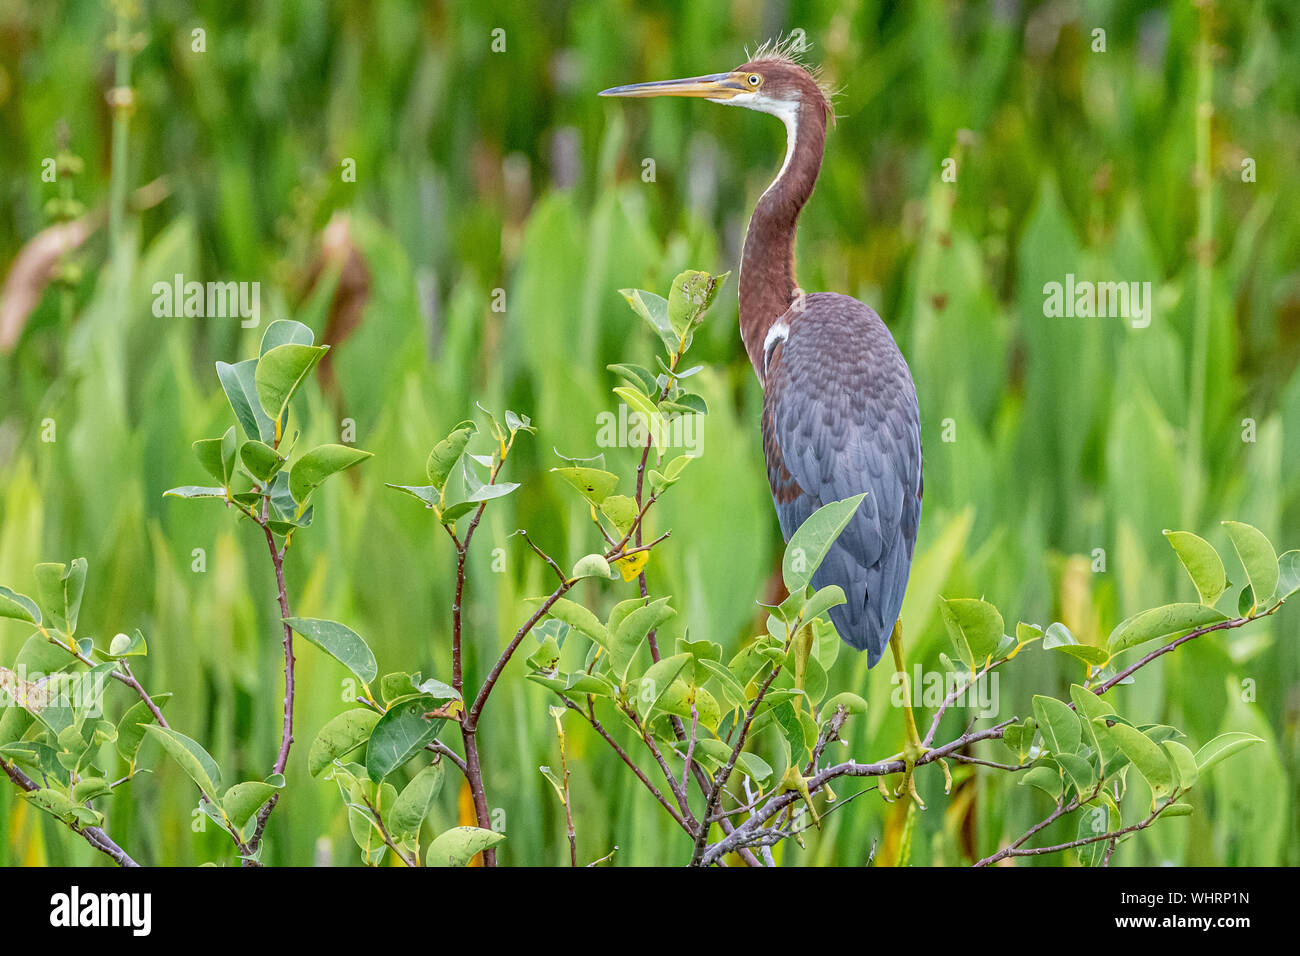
1191, 635
286, 733
543, 555
95, 836
951, 698
721, 777
1017, 848
438, 747
377, 821
590, 718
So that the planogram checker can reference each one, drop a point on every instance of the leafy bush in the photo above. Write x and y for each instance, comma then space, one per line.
673, 711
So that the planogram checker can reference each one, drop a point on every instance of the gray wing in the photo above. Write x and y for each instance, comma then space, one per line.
840, 417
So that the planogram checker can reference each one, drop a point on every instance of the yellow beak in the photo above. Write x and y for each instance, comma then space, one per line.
716, 86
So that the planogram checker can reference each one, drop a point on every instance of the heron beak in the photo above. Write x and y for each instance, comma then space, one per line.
717, 86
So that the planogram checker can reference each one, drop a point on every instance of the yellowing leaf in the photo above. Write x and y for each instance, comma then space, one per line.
632, 565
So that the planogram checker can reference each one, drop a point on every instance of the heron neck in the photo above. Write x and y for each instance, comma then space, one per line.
767, 283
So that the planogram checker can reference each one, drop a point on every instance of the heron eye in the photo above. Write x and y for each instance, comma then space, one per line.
754, 79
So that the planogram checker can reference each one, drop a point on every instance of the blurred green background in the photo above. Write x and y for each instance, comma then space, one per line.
1056, 449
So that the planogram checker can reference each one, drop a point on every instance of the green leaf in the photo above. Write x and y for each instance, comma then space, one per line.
286, 332
244, 799
518, 422
1222, 747
692, 293
680, 695
1159, 623
732, 691
491, 492
217, 456
822, 601
313, 468
432, 687
1079, 773
579, 618
361, 823
195, 491
631, 631
239, 383
649, 413
810, 543
1044, 778
1057, 635
670, 475
192, 758
547, 655
279, 375
90, 788
975, 628
851, 702
401, 733
340, 642
1027, 634
52, 802
261, 460
758, 769
450, 513
412, 805
126, 645
1288, 581
425, 493
459, 845
1088, 653
591, 566
1202, 563
1184, 763
286, 516
1019, 738
657, 679
1062, 733
1246, 603
130, 729
639, 377
1147, 756
592, 483
447, 452
1090, 707
338, 738
59, 588
1257, 557
1094, 821
654, 309
18, 607
620, 509
687, 403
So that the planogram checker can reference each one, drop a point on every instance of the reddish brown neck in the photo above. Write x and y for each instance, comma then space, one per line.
767, 284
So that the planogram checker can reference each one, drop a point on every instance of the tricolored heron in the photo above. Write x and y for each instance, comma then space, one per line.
840, 415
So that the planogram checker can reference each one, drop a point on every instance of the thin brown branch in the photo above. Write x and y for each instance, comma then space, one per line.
724, 773
95, 836
1018, 849
377, 821
590, 718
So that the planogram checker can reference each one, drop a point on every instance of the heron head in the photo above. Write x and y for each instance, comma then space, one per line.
772, 82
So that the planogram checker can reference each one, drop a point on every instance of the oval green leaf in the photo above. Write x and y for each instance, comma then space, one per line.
340, 642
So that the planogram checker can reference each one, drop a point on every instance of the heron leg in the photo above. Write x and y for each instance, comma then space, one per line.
913, 747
